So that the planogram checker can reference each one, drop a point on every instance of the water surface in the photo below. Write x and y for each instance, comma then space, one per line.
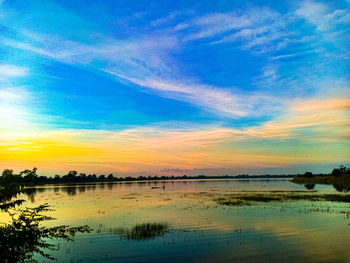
200, 230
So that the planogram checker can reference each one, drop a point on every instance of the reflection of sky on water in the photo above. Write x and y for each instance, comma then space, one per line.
203, 231
187, 186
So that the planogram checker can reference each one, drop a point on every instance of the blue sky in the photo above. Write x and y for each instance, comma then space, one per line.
183, 66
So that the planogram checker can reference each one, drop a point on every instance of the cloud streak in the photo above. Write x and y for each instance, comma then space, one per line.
144, 64
258, 29
11, 71
155, 148
318, 14
148, 61
261, 86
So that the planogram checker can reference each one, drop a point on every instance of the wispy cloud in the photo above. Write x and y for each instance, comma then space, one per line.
167, 19
13, 95
150, 59
11, 71
258, 29
14, 113
320, 15
148, 62
155, 148
323, 118
208, 97
145, 63
218, 23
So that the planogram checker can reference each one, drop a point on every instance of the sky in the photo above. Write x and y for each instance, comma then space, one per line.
174, 87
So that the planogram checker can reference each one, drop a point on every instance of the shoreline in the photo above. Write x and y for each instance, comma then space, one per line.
157, 181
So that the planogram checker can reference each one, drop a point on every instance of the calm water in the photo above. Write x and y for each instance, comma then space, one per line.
201, 230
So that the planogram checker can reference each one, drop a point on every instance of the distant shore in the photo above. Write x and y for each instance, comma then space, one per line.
341, 183
159, 180
339, 176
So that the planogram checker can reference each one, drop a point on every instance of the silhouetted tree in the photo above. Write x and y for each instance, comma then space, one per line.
57, 178
9, 177
102, 177
29, 176
309, 186
342, 168
337, 172
82, 177
24, 235
7, 173
308, 175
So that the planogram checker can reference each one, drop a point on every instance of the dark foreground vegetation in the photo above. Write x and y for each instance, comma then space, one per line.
23, 235
339, 178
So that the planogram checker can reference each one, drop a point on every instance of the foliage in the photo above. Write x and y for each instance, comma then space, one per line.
309, 186
339, 178
9, 188
341, 171
24, 235
30, 177
309, 175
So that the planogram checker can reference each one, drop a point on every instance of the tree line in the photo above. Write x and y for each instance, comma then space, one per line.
342, 171
30, 177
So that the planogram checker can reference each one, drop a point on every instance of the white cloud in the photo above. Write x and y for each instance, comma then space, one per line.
321, 16
11, 95
213, 99
258, 29
143, 62
9, 71
147, 61
166, 19
14, 113
314, 13
218, 23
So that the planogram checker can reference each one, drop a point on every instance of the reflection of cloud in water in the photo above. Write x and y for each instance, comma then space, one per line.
190, 206
307, 233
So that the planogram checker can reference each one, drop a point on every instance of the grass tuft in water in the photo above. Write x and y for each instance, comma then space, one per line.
143, 231
231, 202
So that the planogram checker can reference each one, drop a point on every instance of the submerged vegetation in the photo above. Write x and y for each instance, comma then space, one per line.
231, 202
143, 231
239, 199
249, 198
26, 234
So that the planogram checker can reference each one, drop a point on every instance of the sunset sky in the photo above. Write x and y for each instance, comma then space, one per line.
174, 87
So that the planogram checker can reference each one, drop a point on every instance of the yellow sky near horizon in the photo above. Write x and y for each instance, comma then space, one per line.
311, 132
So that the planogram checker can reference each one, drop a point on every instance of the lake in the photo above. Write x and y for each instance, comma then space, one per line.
194, 226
